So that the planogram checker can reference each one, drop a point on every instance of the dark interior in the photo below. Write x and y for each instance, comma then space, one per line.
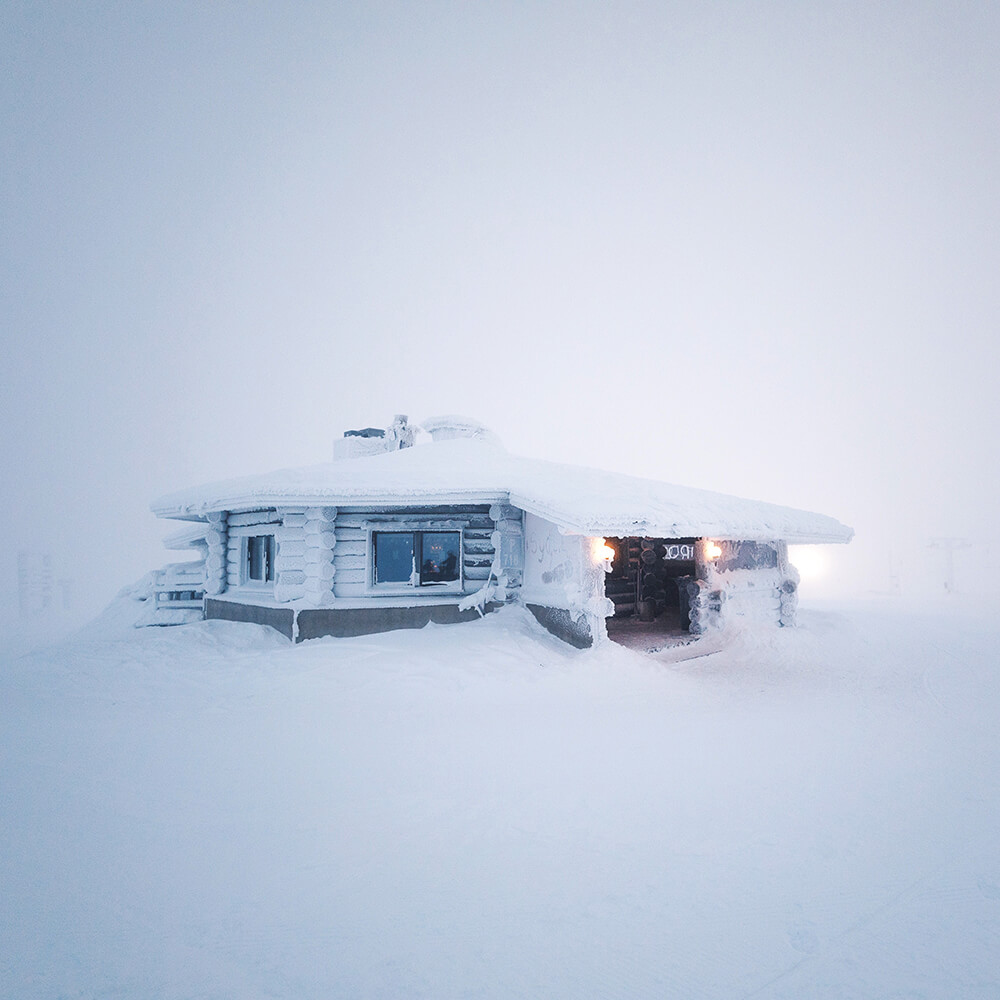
643, 582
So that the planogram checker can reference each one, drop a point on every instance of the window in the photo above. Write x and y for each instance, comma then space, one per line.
416, 558
258, 564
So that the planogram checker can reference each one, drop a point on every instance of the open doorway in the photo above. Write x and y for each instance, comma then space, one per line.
644, 584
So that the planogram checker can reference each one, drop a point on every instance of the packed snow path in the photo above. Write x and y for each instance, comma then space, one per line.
481, 811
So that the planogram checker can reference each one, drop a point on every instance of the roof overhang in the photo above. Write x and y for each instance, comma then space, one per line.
459, 472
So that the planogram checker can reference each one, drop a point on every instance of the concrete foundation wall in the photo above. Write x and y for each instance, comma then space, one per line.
576, 631
281, 619
312, 623
343, 622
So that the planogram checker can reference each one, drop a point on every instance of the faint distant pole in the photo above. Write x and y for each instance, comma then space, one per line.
950, 545
34, 582
894, 587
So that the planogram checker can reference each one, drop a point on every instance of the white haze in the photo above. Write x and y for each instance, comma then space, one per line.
747, 247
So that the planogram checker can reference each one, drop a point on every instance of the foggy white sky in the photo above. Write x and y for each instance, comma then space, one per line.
749, 247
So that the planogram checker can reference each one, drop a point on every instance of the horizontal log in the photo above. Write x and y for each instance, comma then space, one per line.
345, 561
350, 547
740, 602
253, 517
477, 560
170, 576
320, 534
323, 556
478, 545
750, 591
457, 519
249, 530
347, 533
289, 564
322, 514
356, 521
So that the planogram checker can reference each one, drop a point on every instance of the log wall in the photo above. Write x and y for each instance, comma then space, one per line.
749, 581
304, 562
217, 539
240, 526
352, 525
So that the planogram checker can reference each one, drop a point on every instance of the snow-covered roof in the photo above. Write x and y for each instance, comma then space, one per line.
463, 470
185, 538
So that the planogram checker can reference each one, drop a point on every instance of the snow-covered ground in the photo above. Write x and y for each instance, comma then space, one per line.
482, 811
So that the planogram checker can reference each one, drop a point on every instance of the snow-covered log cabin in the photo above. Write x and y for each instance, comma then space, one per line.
395, 534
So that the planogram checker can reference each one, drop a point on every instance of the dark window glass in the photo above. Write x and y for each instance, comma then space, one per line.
439, 554
260, 558
393, 556
255, 559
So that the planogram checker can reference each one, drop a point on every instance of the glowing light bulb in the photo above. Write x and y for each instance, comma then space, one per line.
712, 550
601, 552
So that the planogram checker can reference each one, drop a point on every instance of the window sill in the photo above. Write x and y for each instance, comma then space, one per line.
431, 592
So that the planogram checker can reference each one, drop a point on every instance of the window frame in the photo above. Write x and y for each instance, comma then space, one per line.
398, 588
246, 580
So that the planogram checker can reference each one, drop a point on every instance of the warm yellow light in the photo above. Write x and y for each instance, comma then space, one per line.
712, 550
601, 551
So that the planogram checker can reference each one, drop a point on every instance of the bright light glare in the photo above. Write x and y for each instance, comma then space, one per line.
601, 551
811, 561
712, 550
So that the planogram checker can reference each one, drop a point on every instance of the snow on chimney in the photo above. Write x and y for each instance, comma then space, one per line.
374, 440
449, 427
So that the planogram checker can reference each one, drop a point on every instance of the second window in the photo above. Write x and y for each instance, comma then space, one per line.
417, 558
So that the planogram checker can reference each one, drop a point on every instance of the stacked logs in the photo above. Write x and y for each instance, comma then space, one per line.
304, 560
215, 559
789, 601
702, 603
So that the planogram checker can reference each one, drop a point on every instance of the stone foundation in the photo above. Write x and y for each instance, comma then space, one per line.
312, 623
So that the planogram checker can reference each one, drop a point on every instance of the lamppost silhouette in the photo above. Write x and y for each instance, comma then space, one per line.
950, 545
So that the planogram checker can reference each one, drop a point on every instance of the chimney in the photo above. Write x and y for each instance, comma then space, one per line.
374, 440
